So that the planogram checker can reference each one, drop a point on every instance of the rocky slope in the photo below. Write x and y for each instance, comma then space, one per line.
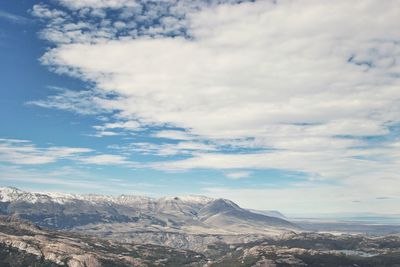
312, 249
23, 244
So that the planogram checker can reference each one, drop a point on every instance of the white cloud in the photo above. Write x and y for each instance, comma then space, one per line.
45, 12
82, 102
233, 79
127, 125
169, 149
238, 174
95, 21
25, 153
115, 4
174, 135
303, 83
105, 159
13, 18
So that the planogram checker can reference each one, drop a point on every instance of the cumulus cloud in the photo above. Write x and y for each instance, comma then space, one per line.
99, 21
304, 86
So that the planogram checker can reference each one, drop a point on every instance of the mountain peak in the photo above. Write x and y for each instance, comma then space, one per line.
8, 194
195, 199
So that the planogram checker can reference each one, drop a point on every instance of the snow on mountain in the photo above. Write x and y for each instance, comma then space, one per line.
60, 210
195, 199
12, 194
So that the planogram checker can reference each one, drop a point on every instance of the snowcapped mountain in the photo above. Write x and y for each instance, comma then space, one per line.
183, 221
12, 194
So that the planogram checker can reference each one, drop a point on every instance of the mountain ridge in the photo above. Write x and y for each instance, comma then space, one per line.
15, 194
188, 222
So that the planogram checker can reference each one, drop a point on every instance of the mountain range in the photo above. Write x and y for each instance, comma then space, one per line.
57, 229
187, 222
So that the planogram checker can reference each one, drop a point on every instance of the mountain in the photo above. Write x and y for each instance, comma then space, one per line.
187, 222
222, 213
56, 210
271, 213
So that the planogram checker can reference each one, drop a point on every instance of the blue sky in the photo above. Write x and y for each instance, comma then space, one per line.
275, 105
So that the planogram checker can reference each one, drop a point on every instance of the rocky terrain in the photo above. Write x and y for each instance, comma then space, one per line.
312, 249
23, 244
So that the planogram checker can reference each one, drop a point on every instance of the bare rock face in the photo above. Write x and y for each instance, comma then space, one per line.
88, 260
265, 263
21, 245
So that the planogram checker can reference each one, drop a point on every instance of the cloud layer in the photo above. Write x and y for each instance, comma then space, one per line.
302, 86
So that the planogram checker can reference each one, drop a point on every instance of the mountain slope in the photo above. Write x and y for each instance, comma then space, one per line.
271, 213
186, 222
66, 211
223, 212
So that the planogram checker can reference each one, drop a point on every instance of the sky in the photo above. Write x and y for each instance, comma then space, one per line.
277, 105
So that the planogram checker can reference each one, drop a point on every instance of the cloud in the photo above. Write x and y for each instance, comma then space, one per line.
74, 4
105, 159
174, 135
166, 149
44, 12
13, 18
310, 87
81, 102
99, 21
125, 125
25, 153
238, 174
